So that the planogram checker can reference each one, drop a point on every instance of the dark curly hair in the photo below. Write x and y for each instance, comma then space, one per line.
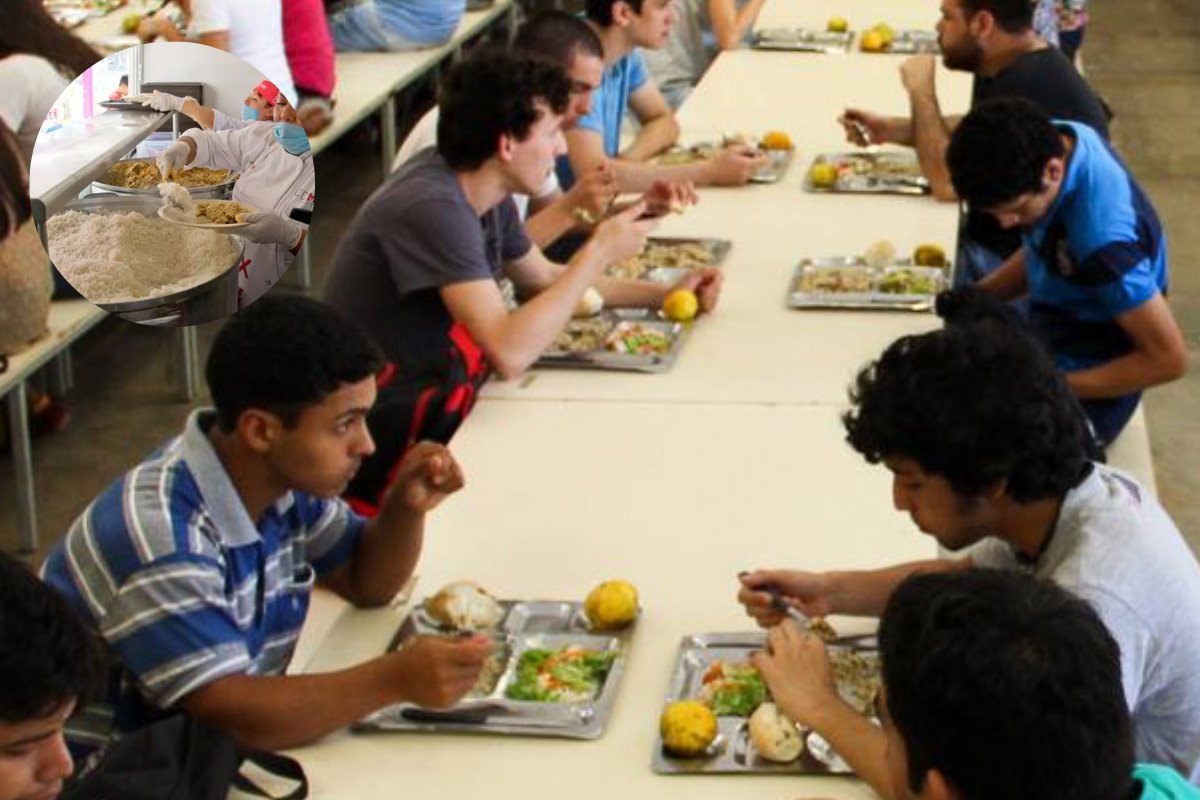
48, 655
283, 354
1013, 16
600, 11
976, 403
1007, 685
1000, 150
29, 28
491, 94
558, 37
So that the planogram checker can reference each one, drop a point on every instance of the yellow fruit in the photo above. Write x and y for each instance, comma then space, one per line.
688, 727
837, 25
775, 140
872, 41
929, 255
681, 305
130, 22
611, 605
885, 31
823, 175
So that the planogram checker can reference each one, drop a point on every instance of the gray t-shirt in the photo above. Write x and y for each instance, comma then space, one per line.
679, 64
414, 235
1115, 546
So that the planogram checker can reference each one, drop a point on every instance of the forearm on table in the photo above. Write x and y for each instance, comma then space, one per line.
276, 713
864, 593
1128, 374
860, 743
636, 177
653, 138
932, 138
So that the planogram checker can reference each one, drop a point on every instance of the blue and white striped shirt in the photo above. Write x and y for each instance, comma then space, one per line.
183, 586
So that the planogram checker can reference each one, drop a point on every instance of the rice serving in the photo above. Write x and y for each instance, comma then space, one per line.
113, 258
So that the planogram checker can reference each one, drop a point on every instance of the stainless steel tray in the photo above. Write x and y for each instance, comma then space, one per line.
776, 167
637, 269
603, 358
871, 294
486, 709
802, 40
911, 41
733, 752
217, 190
883, 172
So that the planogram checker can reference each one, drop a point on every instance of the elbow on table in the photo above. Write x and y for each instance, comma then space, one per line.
943, 191
508, 368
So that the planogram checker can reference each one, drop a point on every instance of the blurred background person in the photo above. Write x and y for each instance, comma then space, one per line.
392, 24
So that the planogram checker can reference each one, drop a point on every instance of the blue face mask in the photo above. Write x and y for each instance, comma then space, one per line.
292, 137
250, 113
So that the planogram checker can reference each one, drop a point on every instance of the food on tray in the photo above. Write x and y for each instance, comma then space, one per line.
590, 304
872, 42
858, 676
818, 627
222, 212
634, 338
177, 196
823, 175
688, 728
466, 606
774, 736
837, 25
775, 140
733, 690
848, 280
655, 255
565, 675
880, 254
929, 255
908, 281
144, 174
681, 305
130, 22
611, 605
582, 336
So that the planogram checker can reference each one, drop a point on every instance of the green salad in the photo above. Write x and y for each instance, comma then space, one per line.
733, 690
564, 675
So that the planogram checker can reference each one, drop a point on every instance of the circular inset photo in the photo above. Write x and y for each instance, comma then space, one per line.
172, 184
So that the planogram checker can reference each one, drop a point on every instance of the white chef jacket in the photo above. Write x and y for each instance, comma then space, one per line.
272, 180
224, 122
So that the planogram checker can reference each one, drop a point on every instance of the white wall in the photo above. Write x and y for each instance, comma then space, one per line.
227, 79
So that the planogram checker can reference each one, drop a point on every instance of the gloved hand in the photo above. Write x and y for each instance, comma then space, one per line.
173, 158
267, 228
161, 101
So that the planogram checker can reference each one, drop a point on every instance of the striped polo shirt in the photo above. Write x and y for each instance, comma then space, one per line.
183, 585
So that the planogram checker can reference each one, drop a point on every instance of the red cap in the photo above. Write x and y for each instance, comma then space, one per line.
268, 90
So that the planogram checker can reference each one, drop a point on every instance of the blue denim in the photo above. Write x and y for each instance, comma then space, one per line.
976, 262
394, 24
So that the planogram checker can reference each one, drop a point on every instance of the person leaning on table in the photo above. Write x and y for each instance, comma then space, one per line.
420, 266
277, 178
197, 565
1093, 260
990, 455
996, 686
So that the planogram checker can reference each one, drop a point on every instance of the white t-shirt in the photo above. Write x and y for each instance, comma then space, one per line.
424, 135
30, 85
1115, 547
255, 35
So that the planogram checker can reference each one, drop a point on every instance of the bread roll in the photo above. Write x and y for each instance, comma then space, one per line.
773, 735
465, 605
590, 304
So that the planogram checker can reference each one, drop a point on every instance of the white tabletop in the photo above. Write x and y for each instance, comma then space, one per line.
675, 499
861, 14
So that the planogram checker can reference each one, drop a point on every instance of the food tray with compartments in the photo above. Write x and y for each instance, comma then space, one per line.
866, 172
848, 282
911, 41
666, 260
856, 661
778, 159
497, 704
802, 40
630, 339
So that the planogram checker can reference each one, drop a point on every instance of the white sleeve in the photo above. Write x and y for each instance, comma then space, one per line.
209, 16
423, 135
549, 188
223, 149
31, 85
224, 122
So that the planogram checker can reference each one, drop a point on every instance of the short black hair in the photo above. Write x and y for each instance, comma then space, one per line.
490, 94
1008, 685
1013, 16
49, 656
600, 11
974, 403
1000, 150
558, 37
283, 354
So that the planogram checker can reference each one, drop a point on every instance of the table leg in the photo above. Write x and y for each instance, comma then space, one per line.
387, 128
304, 263
189, 355
22, 451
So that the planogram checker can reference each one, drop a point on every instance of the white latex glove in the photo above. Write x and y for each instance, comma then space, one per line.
267, 228
161, 101
174, 157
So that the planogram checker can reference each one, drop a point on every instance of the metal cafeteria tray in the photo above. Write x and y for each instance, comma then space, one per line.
911, 41
215, 190
618, 320
636, 269
776, 167
871, 294
887, 171
802, 40
126, 105
733, 752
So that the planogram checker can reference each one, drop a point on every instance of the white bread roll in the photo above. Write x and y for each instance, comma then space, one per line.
465, 605
773, 735
590, 304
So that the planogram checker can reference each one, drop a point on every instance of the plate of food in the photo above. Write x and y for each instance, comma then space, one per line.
802, 40
632, 339
882, 38
666, 260
876, 279
225, 215
776, 145
877, 172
